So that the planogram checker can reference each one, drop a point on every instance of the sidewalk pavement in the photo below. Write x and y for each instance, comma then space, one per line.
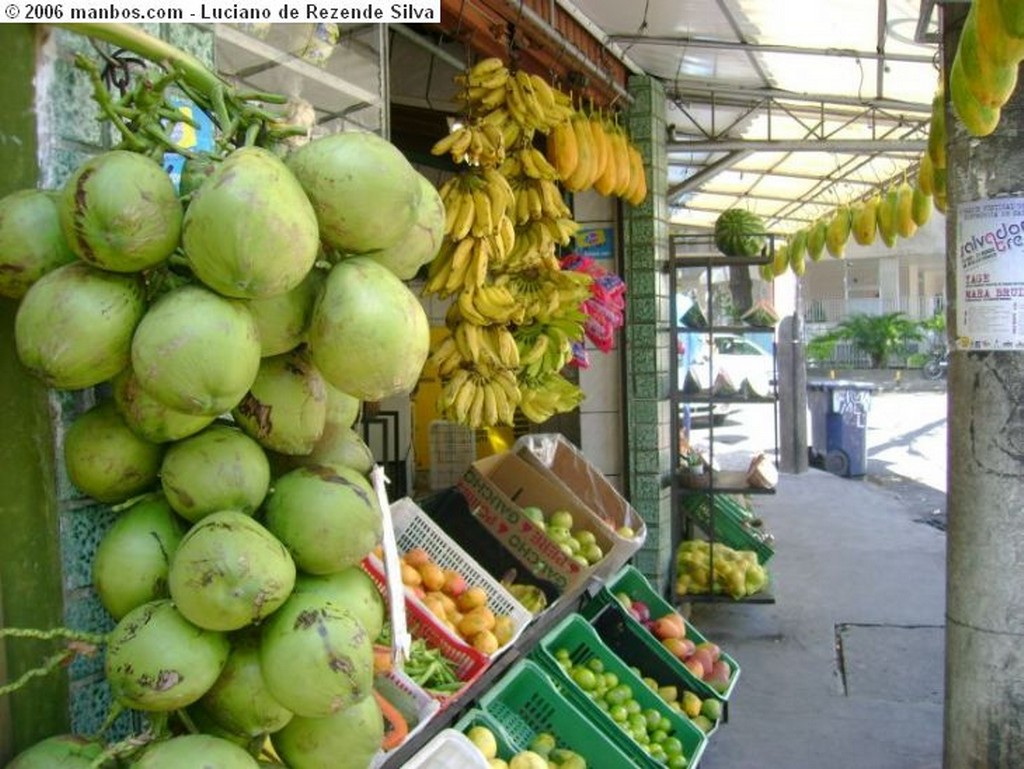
845, 669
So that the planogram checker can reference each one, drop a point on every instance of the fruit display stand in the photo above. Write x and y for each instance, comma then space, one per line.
573, 649
694, 492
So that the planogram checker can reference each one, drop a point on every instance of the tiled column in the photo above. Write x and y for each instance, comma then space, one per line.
70, 133
647, 335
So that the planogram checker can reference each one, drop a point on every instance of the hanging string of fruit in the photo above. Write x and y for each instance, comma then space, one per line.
895, 212
506, 220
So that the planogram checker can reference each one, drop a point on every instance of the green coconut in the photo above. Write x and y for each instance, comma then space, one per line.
229, 572
157, 660
31, 241
348, 739
327, 516
195, 751
133, 557
149, 418
422, 241
63, 751
221, 468
283, 319
105, 459
316, 658
342, 408
369, 335
249, 230
365, 193
351, 589
285, 409
341, 446
239, 701
196, 352
74, 325
119, 211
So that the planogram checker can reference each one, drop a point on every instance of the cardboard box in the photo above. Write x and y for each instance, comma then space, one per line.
564, 465
497, 489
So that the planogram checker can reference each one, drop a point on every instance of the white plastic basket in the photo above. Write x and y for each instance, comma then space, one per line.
414, 528
449, 749
416, 706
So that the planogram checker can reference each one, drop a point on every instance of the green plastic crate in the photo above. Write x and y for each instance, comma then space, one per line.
525, 701
636, 647
630, 581
729, 522
582, 642
479, 717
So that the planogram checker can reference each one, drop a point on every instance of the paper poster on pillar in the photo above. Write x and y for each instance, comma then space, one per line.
990, 275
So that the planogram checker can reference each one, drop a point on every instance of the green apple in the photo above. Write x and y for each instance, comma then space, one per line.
581, 560
561, 518
534, 513
626, 532
624, 599
574, 544
585, 537
592, 553
711, 709
559, 533
564, 547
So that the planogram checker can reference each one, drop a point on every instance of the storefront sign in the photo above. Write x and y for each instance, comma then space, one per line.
990, 274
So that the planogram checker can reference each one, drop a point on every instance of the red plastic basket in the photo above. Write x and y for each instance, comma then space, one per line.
469, 663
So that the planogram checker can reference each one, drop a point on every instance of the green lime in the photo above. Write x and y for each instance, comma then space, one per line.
678, 761
665, 724
611, 680
653, 717
601, 703
561, 653
672, 746
659, 736
633, 707
637, 722
596, 664
641, 737
618, 714
619, 695
657, 753
584, 678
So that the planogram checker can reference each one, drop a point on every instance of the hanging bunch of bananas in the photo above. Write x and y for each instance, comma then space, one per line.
477, 144
589, 152
479, 396
550, 394
516, 103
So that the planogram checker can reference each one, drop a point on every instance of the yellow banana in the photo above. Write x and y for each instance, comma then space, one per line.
490, 407
508, 352
461, 257
463, 223
504, 412
438, 273
561, 149
485, 68
507, 233
464, 400
445, 144
467, 309
482, 223
450, 388
533, 107
474, 418
545, 97
477, 275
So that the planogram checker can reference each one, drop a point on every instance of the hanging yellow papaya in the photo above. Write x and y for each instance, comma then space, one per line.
887, 216
921, 207
579, 179
865, 220
1012, 14
939, 194
602, 150
780, 259
978, 119
609, 178
937, 128
1003, 48
767, 272
838, 232
816, 239
925, 175
989, 82
905, 224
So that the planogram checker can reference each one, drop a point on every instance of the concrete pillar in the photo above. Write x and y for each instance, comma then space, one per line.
984, 704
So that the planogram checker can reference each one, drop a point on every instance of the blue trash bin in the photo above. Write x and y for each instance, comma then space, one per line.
839, 424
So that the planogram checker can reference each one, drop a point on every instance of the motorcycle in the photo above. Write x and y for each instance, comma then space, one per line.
936, 367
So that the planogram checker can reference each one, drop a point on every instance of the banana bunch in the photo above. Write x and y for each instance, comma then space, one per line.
529, 162
484, 86
465, 262
479, 396
546, 346
488, 347
475, 203
477, 144
540, 237
537, 199
541, 399
534, 104
488, 304
547, 294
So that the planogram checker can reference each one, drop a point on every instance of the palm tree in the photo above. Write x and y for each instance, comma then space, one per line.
878, 336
